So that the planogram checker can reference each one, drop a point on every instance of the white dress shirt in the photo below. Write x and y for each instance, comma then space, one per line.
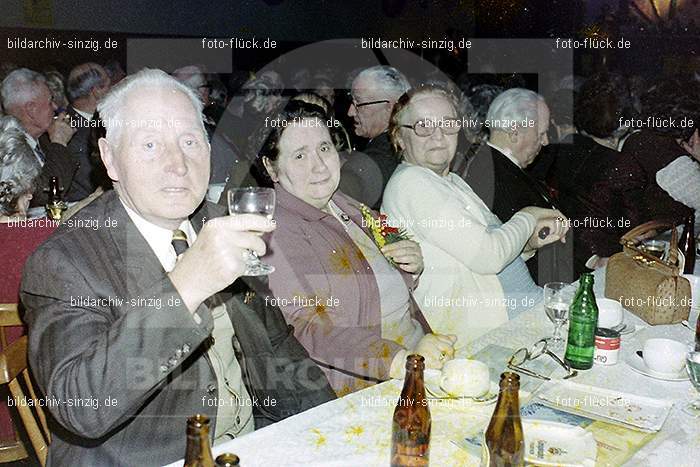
33, 143
234, 416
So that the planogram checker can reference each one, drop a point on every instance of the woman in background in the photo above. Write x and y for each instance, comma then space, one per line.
18, 172
475, 277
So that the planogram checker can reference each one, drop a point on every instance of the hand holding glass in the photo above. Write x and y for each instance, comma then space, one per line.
253, 200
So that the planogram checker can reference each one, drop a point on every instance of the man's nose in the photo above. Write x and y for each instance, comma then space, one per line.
176, 161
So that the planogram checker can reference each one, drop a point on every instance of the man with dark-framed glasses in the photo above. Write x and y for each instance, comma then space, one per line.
373, 93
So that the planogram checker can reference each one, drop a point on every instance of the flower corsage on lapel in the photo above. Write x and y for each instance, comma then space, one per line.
381, 232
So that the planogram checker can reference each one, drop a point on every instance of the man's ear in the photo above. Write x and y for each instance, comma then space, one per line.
29, 109
270, 167
513, 136
107, 156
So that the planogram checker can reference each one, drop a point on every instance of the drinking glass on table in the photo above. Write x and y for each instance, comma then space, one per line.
557, 299
253, 200
693, 366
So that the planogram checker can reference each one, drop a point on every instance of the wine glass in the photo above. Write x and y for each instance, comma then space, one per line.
693, 366
253, 200
557, 299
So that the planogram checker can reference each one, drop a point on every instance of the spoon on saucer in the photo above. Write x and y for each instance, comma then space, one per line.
687, 325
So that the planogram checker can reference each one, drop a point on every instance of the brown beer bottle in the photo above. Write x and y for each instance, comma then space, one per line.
227, 460
410, 434
504, 441
198, 453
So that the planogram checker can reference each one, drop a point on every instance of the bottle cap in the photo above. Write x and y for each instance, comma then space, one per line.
198, 421
227, 459
509, 378
415, 361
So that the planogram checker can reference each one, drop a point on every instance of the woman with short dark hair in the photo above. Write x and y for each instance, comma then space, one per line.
349, 301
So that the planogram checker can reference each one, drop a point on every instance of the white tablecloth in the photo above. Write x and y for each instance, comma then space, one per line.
356, 429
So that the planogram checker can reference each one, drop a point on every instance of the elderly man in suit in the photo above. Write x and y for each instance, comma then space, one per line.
87, 84
518, 121
26, 97
373, 93
146, 319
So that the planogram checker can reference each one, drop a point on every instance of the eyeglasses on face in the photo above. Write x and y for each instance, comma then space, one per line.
426, 127
363, 104
538, 349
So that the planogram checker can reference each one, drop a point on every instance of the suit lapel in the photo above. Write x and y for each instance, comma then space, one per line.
139, 263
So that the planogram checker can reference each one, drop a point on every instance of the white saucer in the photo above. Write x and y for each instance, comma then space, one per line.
636, 362
434, 391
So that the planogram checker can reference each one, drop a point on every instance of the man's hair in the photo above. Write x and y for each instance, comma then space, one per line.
18, 165
513, 105
20, 87
388, 80
191, 75
55, 82
111, 106
113, 68
83, 79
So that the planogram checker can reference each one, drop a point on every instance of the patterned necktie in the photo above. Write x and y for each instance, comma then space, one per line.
40, 154
179, 242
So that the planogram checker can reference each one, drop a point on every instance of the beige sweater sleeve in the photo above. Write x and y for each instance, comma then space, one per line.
681, 180
451, 217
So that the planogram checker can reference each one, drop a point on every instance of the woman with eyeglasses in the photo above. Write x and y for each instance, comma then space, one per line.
475, 277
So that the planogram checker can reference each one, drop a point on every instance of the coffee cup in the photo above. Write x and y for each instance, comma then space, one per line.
609, 313
664, 355
465, 378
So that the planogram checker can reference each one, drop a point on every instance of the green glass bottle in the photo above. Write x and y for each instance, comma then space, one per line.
583, 318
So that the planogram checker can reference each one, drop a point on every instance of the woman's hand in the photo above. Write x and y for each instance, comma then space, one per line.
551, 226
437, 349
406, 254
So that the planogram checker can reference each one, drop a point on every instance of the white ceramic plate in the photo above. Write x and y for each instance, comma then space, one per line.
434, 391
634, 361
551, 443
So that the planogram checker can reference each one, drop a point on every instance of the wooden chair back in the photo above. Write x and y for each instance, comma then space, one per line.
15, 374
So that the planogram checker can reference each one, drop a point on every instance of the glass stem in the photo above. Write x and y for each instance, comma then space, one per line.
557, 331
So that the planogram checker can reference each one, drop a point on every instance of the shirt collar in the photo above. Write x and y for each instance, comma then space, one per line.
506, 152
159, 238
33, 143
85, 115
